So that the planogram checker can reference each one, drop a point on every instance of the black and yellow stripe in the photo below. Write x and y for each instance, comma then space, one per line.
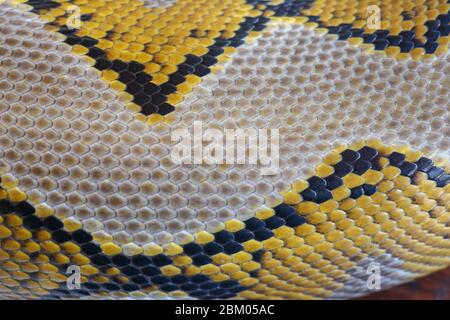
153, 57
365, 200
360, 203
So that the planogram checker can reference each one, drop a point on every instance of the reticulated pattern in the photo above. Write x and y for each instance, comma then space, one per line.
158, 3
86, 181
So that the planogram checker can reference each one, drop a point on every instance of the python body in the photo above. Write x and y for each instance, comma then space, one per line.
86, 116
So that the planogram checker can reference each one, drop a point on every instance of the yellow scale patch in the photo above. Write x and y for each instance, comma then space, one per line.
22, 276
309, 261
158, 38
333, 13
17, 267
394, 220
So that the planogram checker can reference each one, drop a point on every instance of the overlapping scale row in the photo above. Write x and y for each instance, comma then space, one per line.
401, 29
86, 117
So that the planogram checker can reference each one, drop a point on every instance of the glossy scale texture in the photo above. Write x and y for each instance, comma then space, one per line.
87, 179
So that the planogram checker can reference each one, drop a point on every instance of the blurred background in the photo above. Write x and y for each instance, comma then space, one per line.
433, 287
